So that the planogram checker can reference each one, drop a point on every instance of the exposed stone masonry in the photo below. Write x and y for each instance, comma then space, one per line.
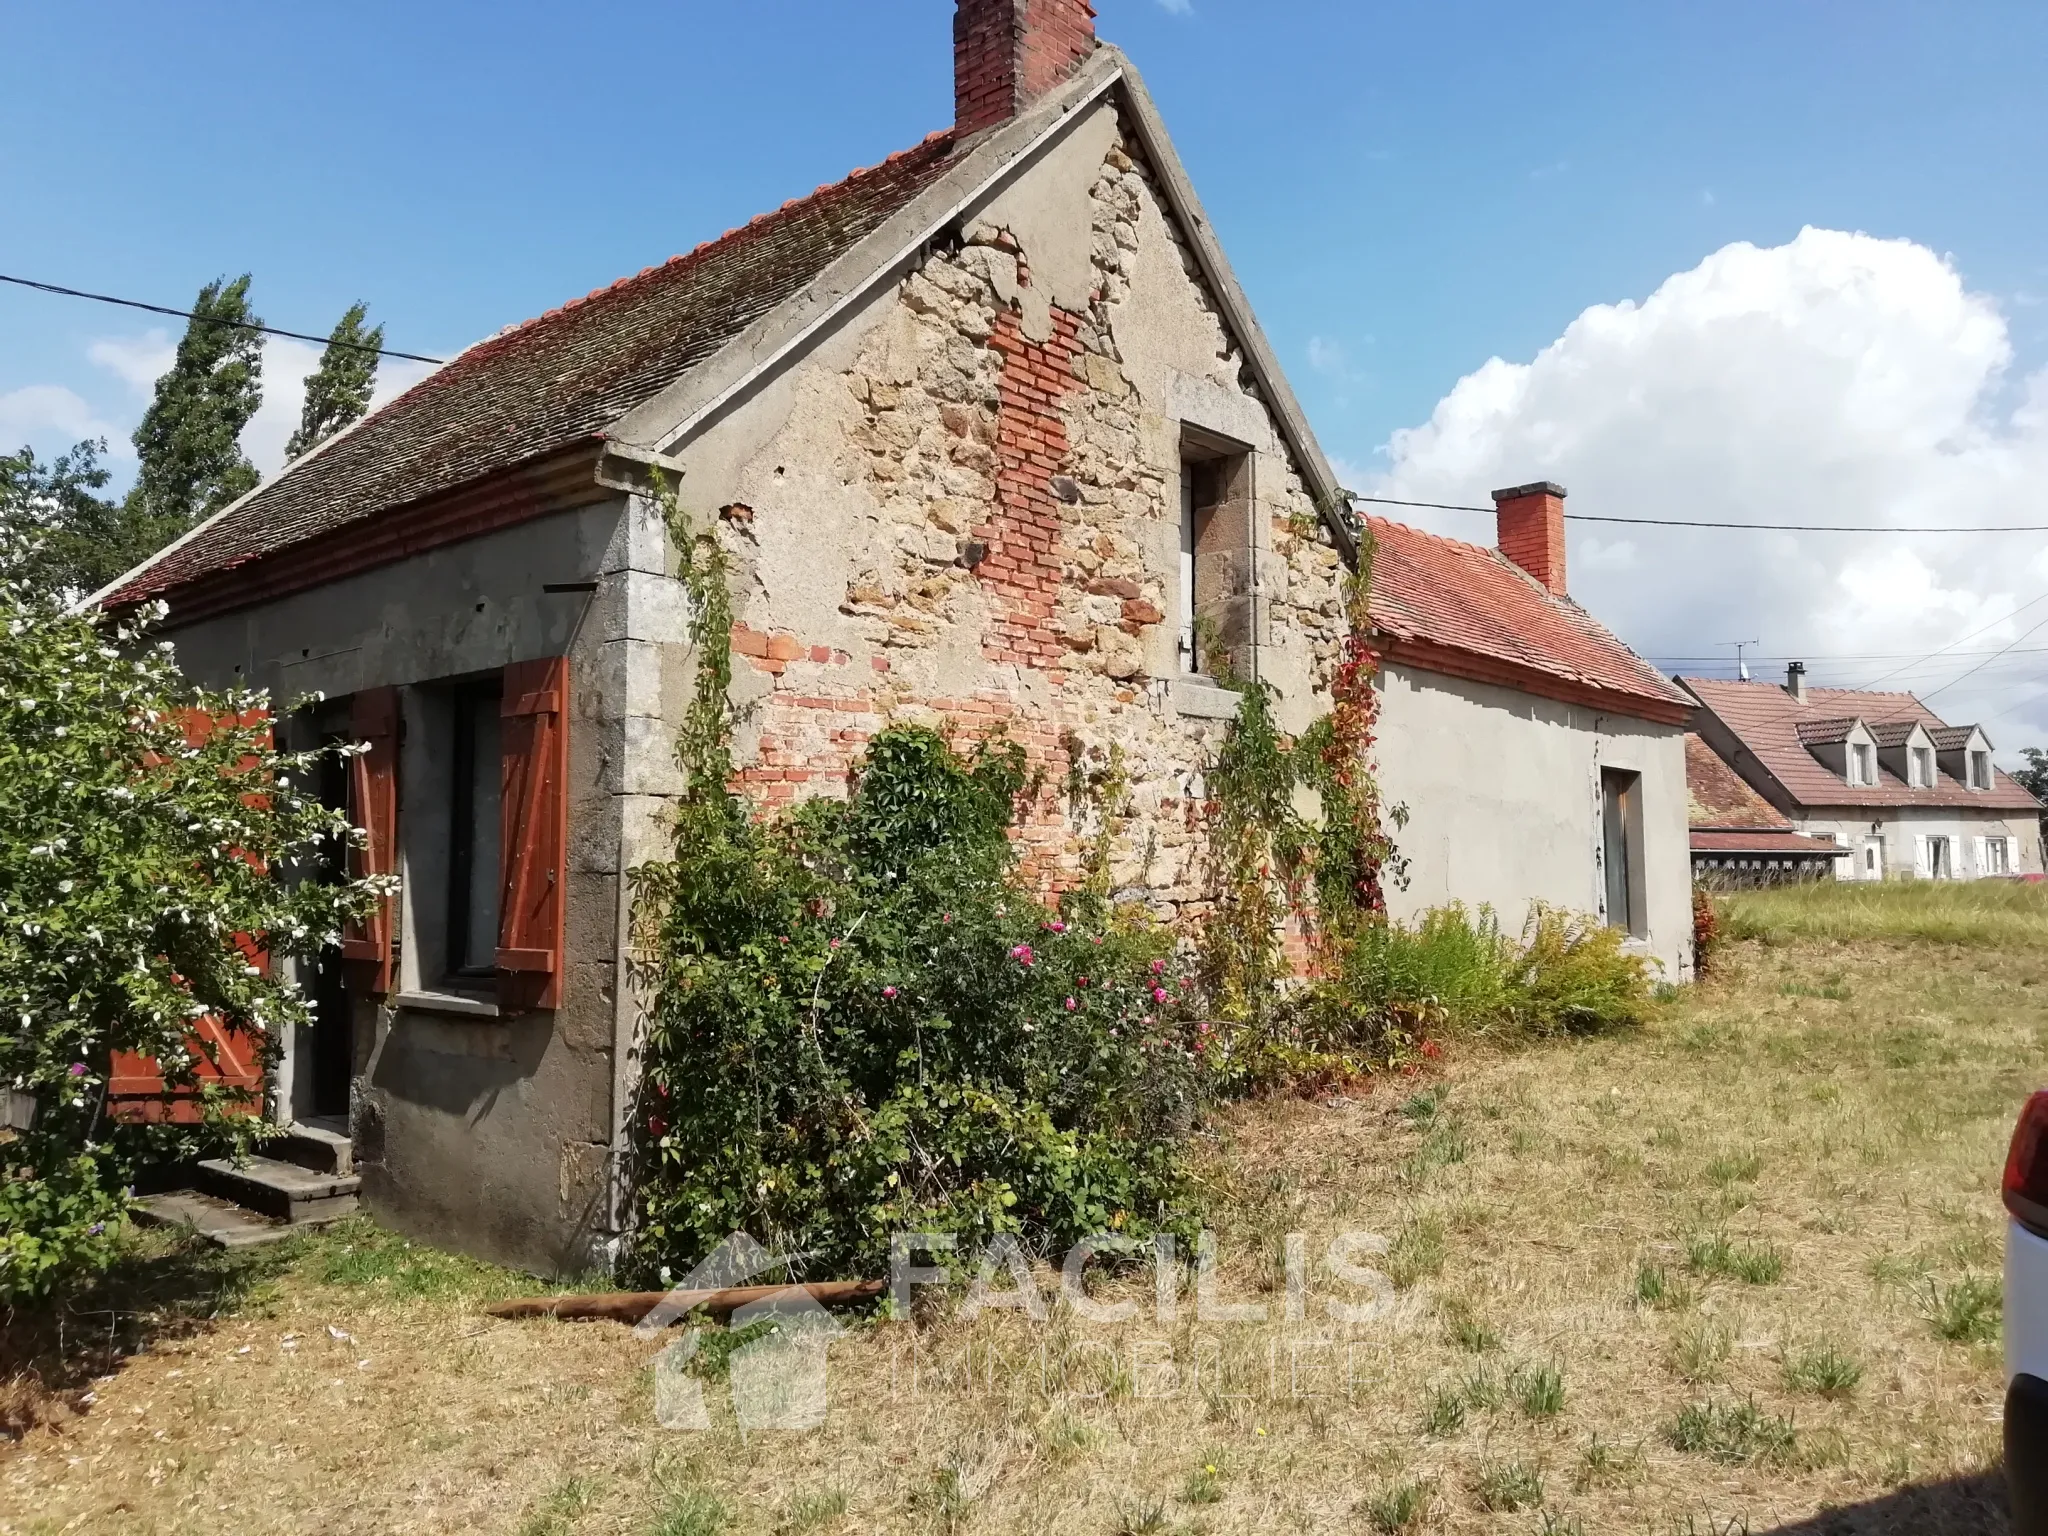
987, 415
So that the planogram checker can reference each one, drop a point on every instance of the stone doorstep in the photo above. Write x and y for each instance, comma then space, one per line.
313, 1147
282, 1190
220, 1222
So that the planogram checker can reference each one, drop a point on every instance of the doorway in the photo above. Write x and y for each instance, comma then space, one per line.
330, 1061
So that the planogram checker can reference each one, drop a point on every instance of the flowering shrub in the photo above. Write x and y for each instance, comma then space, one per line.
134, 850
864, 1023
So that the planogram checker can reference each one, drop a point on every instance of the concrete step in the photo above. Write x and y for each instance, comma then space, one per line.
220, 1222
313, 1146
284, 1191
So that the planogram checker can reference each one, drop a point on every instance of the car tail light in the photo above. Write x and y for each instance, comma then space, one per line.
2026, 1168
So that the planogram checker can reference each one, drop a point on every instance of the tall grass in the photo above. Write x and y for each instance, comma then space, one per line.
1456, 971
1982, 913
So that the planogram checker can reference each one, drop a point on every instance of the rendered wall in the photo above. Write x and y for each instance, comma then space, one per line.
1899, 827
1503, 797
487, 1134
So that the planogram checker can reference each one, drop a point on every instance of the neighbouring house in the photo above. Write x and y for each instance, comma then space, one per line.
1877, 774
1738, 837
992, 437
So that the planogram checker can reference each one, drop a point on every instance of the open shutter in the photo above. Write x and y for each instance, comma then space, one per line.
233, 1059
533, 889
1921, 868
1983, 856
373, 806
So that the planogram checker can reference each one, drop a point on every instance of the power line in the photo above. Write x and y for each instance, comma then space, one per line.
1944, 688
237, 325
1973, 634
1684, 522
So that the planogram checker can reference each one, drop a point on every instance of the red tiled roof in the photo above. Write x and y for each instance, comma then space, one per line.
1766, 844
1766, 720
565, 377
1826, 733
1718, 797
1474, 601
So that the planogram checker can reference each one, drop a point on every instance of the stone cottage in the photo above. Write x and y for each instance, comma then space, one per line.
992, 436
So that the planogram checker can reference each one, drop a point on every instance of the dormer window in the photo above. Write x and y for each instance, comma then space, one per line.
1923, 767
1980, 770
1862, 765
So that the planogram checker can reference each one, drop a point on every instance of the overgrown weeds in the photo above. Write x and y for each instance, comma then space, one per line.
1966, 1312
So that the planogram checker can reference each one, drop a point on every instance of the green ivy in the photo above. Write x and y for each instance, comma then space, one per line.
864, 1022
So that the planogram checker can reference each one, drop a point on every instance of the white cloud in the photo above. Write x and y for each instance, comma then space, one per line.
1326, 356
135, 360
51, 417
1177, 7
1835, 379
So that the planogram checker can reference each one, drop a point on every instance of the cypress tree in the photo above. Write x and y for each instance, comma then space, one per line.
338, 393
190, 439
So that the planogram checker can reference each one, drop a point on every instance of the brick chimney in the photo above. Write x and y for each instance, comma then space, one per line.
1008, 53
1532, 530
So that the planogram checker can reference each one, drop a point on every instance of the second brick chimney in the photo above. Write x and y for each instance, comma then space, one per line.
1532, 530
1008, 53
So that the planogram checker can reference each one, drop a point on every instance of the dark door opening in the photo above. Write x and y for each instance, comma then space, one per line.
331, 1061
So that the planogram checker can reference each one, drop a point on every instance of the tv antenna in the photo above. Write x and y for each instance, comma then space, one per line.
1741, 661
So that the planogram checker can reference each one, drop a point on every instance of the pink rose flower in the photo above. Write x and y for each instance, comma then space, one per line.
1159, 994
1158, 966
1072, 1005
890, 993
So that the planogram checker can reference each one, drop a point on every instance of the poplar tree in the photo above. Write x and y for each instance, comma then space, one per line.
189, 442
338, 393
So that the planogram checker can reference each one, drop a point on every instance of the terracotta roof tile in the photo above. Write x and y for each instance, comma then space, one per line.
1475, 600
1719, 798
544, 385
1767, 720
1826, 733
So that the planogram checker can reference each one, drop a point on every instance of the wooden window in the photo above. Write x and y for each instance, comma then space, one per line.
366, 947
533, 890
1862, 769
1980, 770
1621, 807
475, 827
1923, 768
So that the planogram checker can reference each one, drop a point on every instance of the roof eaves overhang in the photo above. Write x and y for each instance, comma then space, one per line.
1454, 661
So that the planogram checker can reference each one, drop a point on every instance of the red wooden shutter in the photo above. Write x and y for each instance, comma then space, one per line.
136, 1090
533, 884
373, 806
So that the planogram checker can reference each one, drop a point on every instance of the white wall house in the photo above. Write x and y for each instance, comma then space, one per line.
1878, 773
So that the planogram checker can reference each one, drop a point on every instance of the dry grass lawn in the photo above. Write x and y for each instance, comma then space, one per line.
1715, 1276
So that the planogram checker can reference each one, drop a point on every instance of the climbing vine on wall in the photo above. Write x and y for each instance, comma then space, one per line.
1271, 863
862, 1021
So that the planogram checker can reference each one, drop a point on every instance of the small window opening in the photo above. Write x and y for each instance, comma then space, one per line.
1862, 767
1215, 556
1980, 770
1941, 863
474, 829
1923, 768
1997, 856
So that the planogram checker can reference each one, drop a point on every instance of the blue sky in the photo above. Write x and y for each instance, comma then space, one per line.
1406, 190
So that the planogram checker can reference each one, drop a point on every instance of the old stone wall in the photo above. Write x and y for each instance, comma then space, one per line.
965, 510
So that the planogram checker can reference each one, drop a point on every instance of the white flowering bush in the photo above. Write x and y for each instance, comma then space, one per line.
151, 838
